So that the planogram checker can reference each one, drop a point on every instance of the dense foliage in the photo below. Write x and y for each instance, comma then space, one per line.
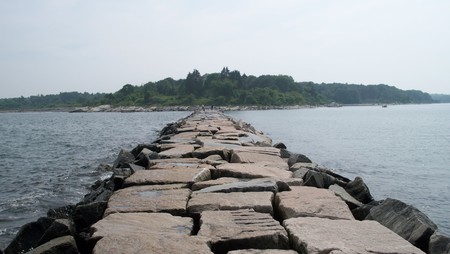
442, 98
225, 88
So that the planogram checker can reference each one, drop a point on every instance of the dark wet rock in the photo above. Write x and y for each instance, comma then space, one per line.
104, 168
405, 220
101, 191
300, 173
64, 212
169, 129
145, 156
28, 236
60, 227
87, 214
359, 190
138, 149
280, 145
285, 153
123, 159
341, 180
361, 212
295, 158
60, 245
318, 179
439, 243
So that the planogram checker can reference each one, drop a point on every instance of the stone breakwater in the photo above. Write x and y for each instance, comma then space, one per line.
211, 184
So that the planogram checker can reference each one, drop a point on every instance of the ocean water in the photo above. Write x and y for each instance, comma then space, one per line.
402, 151
49, 160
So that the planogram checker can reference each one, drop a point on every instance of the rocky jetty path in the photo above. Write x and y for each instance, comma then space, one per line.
211, 184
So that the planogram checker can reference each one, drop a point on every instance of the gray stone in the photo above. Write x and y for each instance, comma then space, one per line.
311, 202
223, 180
174, 162
318, 179
300, 165
178, 151
405, 220
140, 147
359, 190
261, 184
206, 151
280, 145
258, 201
439, 244
295, 158
148, 199
320, 235
60, 245
267, 251
87, 214
168, 176
361, 212
300, 173
123, 159
351, 201
231, 230
251, 170
259, 154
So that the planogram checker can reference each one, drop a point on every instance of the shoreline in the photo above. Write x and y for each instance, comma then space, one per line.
136, 109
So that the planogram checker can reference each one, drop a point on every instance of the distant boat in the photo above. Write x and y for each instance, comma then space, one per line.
384, 106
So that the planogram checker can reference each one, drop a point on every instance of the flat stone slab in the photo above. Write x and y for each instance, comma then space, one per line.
255, 185
148, 199
251, 170
258, 201
135, 224
146, 233
257, 154
174, 162
267, 251
206, 151
320, 235
223, 180
305, 201
168, 176
229, 230
152, 243
178, 151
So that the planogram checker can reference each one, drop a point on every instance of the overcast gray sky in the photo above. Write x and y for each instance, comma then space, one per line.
52, 46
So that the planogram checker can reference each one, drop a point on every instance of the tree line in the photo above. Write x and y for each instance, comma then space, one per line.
225, 88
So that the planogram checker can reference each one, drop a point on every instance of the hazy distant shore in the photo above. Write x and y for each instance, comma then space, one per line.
131, 109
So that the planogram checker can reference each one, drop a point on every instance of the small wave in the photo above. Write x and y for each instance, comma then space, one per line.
9, 218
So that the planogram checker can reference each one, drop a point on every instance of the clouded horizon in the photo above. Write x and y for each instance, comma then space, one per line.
53, 46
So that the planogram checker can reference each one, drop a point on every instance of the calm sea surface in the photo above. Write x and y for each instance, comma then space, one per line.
49, 160
400, 151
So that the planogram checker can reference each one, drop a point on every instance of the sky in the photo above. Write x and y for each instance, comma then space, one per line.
53, 46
